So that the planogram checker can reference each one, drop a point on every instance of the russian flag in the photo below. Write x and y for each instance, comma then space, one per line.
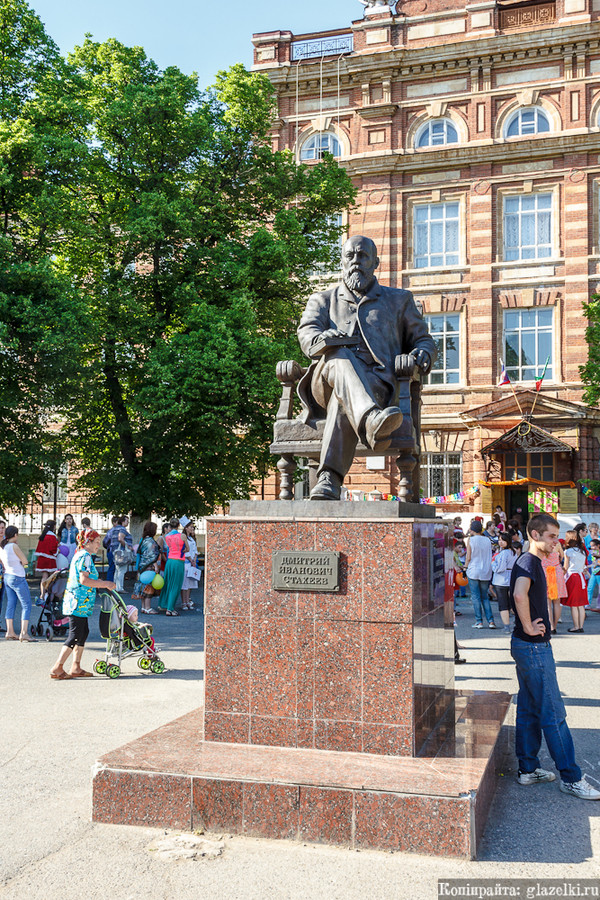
504, 379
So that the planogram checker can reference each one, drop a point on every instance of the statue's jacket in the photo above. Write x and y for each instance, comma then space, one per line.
387, 318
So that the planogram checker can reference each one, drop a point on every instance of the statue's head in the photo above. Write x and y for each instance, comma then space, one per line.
359, 261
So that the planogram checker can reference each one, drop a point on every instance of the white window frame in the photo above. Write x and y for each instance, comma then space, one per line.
443, 218
521, 250
427, 127
302, 486
515, 373
440, 363
62, 487
538, 113
323, 271
429, 465
316, 145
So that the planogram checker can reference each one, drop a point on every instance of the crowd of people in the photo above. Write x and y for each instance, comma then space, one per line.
166, 568
485, 555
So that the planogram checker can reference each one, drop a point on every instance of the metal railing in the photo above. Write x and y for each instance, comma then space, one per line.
335, 46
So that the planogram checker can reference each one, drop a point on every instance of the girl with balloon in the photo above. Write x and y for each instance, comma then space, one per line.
149, 581
67, 534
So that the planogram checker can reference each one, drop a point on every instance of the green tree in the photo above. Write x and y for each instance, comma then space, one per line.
590, 372
41, 147
192, 242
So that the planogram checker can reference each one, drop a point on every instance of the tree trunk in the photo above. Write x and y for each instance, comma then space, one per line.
136, 527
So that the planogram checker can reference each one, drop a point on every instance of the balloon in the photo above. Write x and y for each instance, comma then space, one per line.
148, 576
63, 550
157, 582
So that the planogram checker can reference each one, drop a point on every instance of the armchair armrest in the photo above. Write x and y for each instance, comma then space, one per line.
289, 373
406, 367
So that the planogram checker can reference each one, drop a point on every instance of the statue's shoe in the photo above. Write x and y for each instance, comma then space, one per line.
380, 425
328, 487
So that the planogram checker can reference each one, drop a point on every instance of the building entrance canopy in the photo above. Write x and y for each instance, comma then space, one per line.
526, 438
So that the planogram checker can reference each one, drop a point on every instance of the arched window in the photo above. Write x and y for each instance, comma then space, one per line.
529, 120
435, 133
319, 144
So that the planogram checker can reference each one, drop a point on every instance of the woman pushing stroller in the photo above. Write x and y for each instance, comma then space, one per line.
78, 603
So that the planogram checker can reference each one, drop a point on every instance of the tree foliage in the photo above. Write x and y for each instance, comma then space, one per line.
192, 243
590, 372
154, 255
40, 318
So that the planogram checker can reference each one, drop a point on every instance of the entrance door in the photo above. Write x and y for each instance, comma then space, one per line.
497, 497
516, 503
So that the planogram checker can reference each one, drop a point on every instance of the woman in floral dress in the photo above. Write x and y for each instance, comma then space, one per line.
149, 554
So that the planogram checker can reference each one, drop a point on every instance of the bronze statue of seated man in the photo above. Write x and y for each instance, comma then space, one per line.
361, 337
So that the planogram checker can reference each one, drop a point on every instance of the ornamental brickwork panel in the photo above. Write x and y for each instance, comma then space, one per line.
527, 16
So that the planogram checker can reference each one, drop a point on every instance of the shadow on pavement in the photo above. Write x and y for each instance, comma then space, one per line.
538, 823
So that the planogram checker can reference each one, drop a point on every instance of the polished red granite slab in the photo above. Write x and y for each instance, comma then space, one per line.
329, 717
367, 669
435, 804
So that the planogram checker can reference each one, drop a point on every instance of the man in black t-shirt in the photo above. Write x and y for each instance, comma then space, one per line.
539, 704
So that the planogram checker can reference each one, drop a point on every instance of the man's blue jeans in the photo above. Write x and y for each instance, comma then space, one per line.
479, 598
540, 709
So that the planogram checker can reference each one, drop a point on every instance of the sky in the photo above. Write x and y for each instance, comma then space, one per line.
200, 36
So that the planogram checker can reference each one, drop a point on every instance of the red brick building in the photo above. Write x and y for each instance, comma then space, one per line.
472, 133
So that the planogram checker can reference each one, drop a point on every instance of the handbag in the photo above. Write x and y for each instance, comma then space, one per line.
124, 557
193, 573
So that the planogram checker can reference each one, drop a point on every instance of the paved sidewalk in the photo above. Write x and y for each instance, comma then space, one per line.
52, 732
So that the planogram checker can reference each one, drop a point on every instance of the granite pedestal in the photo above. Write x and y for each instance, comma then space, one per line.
329, 716
368, 668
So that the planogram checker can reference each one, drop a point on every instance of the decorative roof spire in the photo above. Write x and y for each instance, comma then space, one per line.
374, 7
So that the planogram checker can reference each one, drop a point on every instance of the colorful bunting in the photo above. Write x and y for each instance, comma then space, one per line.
589, 493
452, 498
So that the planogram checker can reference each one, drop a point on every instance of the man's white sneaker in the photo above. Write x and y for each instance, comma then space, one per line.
539, 776
477, 625
580, 789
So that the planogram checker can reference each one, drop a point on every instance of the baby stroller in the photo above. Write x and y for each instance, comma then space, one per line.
52, 622
124, 638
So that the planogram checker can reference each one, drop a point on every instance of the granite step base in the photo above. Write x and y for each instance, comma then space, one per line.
171, 778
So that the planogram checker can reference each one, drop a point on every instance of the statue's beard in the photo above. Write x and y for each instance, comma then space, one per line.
358, 281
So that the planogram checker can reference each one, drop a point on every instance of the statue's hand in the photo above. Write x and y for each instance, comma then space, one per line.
331, 332
422, 359
324, 340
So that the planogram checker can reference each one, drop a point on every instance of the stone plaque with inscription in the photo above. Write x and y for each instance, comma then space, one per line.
568, 501
297, 570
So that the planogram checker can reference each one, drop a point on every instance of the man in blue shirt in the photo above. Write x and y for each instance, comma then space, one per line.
539, 704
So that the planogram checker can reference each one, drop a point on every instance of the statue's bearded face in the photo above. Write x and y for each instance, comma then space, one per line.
359, 261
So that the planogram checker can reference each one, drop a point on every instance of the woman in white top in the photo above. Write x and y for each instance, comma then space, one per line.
2, 530
575, 569
191, 556
13, 562
479, 571
502, 565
